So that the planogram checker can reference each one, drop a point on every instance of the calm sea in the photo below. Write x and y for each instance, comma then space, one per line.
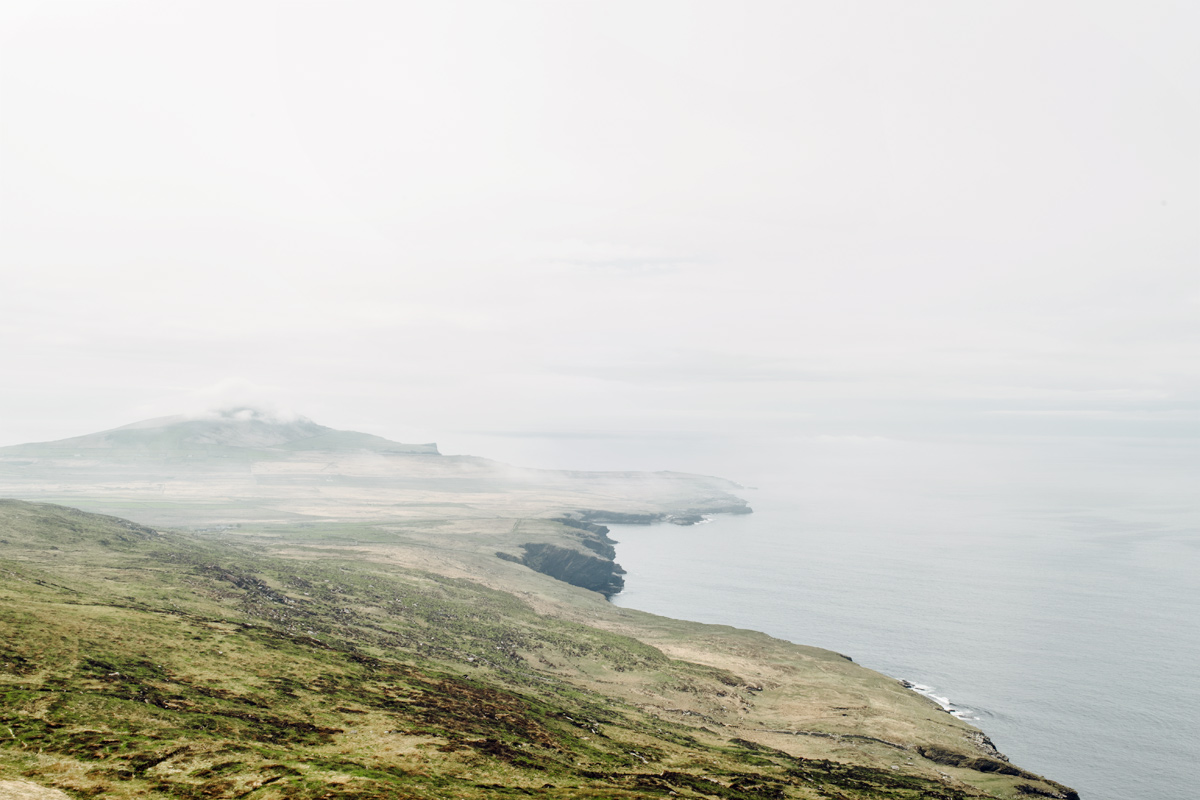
1048, 591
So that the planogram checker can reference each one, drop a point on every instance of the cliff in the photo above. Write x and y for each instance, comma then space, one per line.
588, 560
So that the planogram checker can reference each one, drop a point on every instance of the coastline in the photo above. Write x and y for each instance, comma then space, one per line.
538, 539
625, 702
954, 709
990, 759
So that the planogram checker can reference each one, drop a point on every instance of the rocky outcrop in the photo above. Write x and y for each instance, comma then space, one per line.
599, 572
601, 575
1036, 791
953, 758
594, 537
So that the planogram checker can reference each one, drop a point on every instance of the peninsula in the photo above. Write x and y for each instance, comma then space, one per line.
239, 605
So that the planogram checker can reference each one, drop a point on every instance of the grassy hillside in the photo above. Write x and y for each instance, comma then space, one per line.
334, 663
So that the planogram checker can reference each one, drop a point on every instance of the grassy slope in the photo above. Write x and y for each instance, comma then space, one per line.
138, 663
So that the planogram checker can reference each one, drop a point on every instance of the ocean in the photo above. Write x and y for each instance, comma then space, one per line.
1047, 591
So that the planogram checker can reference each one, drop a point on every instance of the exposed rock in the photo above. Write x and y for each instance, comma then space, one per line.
953, 758
574, 567
1034, 791
982, 741
600, 573
592, 536
591, 527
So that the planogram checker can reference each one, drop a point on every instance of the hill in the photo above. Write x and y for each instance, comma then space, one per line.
220, 433
285, 610
136, 662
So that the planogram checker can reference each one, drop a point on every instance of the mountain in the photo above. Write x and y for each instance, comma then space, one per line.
217, 432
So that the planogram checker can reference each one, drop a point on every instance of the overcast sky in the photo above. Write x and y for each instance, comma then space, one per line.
429, 220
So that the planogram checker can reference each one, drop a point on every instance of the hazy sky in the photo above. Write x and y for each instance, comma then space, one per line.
434, 219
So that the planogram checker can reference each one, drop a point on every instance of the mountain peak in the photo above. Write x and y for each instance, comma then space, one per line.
253, 414
243, 427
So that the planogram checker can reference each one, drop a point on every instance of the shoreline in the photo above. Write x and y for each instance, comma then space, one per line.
964, 714
951, 708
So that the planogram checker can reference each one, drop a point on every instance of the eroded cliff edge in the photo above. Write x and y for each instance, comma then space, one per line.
586, 556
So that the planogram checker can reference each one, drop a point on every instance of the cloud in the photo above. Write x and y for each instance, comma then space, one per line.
550, 217
233, 397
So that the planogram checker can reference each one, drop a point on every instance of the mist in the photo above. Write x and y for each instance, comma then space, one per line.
922, 278
467, 221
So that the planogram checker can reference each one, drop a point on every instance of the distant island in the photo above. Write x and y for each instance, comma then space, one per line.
239, 604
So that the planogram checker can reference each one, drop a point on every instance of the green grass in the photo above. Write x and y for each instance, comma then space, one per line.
135, 663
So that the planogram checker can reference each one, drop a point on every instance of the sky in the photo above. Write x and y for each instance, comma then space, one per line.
446, 221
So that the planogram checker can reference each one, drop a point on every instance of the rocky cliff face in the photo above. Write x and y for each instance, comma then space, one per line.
596, 570
587, 556
579, 569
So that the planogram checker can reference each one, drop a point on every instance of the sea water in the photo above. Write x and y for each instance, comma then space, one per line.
1047, 591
